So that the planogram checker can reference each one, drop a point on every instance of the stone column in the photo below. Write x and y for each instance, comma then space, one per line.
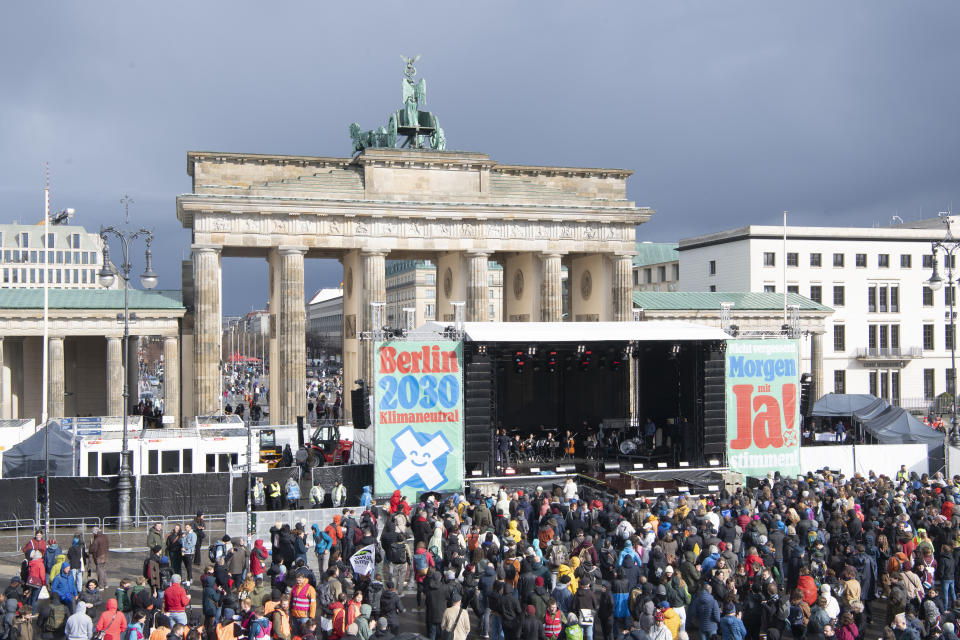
4, 386
114, 377
291, 336
133, 374
55, 382
622, 288
373, 266
551, 298
816, 366
171, 379
478, 287
206, 346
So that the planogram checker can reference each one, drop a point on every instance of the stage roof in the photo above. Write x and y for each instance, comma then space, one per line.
650, 331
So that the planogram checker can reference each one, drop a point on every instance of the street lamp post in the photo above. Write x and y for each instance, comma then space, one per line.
149, 280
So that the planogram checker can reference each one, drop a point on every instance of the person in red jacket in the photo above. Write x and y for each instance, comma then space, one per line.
175, 600
36, 577
112, 622
339, 618
807, 586
36, 543
257, 559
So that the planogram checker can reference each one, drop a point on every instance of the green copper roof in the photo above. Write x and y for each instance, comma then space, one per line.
90, 299
710, 301
655, 253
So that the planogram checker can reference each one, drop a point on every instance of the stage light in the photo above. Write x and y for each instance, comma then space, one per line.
585, 357
519, 361
531, 351
509, 471
581, 348
552, 362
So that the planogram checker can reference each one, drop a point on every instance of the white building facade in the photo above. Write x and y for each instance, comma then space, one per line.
890, 333
74, 257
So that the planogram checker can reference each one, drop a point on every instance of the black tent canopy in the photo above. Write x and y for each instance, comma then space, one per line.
28, 458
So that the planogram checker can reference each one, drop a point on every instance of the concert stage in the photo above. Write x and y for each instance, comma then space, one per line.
539, 378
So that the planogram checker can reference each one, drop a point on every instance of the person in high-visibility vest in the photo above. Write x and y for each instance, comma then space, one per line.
303, 603
273, 496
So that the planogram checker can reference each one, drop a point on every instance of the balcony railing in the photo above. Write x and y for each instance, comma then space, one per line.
893, 353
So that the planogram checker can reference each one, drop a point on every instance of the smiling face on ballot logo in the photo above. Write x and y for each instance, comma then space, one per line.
419, 459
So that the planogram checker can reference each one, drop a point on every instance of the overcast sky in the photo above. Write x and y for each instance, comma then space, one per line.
728, 112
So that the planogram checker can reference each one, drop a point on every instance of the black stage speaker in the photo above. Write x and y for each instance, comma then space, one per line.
714, 404
478, 410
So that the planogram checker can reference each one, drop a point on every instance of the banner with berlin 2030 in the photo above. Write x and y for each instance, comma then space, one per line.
763, 406
418, 416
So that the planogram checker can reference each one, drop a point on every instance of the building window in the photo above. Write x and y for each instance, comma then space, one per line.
648, 275
872, 337
873, 383
927, 261
883, 260
928, 337
883, 299
430, 310
816, 293
927, 297
872, 299
713, 287
838, 295
861, 260
793, 288
951, 381
815, 260
905, 261
948, 295
838, 259
24, 240
948, 332
793, 259
636, 278
713, 268
661, 274
895, 388
430, 278
839, 338
676, 271
493, 314
929, 384
839, 381
769, 259
769, 288
894, 299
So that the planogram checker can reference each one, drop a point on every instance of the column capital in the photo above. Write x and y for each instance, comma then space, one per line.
552, 254
206, 248
372, 253
479, 253
291, 249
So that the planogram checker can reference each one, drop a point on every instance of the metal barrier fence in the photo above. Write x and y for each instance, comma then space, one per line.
15, 533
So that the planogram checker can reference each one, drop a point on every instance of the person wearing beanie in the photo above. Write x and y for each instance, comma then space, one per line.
456, 620
382, 631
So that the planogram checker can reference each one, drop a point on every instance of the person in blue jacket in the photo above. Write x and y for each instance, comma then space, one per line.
731, 626
293, 493
65, 585
321, 546
366, 498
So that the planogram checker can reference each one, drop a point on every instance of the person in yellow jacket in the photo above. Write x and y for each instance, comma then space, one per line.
514, 532
671, 618
570, 570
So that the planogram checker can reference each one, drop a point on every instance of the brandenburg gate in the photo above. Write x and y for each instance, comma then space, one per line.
460, 210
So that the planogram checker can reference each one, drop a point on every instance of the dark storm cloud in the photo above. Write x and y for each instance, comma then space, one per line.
728, 112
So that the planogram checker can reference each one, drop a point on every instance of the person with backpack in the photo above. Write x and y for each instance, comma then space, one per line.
391, 606
135, 631
422, 562
52, 616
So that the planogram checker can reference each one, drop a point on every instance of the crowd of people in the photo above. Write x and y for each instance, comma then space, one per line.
816, 558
